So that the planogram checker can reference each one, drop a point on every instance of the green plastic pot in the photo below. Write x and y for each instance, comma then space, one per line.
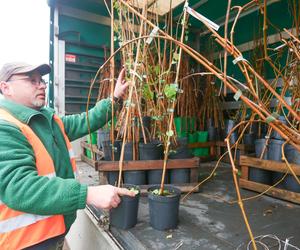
181, 126
94, 142
202, 136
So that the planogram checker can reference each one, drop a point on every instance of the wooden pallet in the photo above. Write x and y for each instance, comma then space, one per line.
243, 148
248, 162
192, 164
96, 153
104, 166
212, 149
215, 149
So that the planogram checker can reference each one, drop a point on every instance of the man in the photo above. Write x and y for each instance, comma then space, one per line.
39, 196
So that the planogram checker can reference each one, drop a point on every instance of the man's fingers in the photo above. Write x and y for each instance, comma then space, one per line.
125, 85
117, 199
125, 191
121, 75
114, 204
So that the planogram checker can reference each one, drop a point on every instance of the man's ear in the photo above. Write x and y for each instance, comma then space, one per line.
5, 88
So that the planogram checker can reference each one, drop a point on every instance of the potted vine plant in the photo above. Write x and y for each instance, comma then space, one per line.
125, 215
164, 199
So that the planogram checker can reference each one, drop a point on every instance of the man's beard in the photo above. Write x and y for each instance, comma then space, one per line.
38, 104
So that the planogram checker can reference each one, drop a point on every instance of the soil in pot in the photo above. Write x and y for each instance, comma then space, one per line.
164, 209
125, 215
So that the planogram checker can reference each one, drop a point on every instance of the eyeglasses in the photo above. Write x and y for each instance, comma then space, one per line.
34, 82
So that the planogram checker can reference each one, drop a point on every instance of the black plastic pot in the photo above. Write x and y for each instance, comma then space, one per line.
249, 139
180, 175
154, 176
151, 151
274, 134
147, 126
275, 154
253, 129
292, 156
229, 124
164, 210
125, 215
103, 135
260, 175
209, 123
212, 133
180, 151
128, 151
107, 150
112, 177
259, 146
135, 177
262, 130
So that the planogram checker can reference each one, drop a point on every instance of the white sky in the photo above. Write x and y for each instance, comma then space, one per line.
24, 31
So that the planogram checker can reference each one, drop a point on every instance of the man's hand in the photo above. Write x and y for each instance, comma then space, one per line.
106, 196
121, 85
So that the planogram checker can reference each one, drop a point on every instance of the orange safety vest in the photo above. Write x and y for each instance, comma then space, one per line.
19, 230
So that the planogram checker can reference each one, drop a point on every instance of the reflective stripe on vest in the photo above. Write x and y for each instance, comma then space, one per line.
16, 226
22, 220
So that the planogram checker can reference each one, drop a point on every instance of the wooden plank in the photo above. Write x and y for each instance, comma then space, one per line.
245, 172
202, 144
194, 175
212, 151
243, 147
102, 178
226, 159
89, 161
207, 158
149, 164
94, 147
275, 192
268, 164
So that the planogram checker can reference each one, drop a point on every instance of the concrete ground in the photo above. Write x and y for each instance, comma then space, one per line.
209, 221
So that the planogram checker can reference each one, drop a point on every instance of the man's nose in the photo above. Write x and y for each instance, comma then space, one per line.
42, 86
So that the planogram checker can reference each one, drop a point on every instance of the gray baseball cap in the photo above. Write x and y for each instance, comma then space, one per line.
15, 68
